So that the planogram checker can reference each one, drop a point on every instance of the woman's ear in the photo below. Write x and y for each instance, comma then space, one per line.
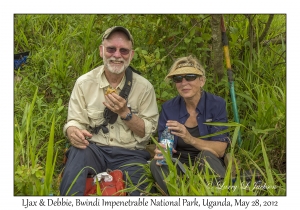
203, 80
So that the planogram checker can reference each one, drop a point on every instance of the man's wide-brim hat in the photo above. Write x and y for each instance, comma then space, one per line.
185, 68
109, 31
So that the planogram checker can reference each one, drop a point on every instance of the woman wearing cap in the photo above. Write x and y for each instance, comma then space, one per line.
185, 116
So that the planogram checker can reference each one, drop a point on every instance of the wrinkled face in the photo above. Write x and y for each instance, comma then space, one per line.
190, 89
116, 52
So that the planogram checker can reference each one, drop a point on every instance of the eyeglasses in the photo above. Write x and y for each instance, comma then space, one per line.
123, 51
187, 77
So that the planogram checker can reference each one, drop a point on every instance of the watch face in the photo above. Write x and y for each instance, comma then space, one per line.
128, 117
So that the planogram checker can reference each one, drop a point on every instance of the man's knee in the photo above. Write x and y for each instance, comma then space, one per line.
73, 151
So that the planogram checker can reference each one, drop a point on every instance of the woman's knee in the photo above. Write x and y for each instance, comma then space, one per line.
213, 161
153, 165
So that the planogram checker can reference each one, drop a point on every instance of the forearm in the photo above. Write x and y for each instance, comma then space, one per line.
216, 147
136, 125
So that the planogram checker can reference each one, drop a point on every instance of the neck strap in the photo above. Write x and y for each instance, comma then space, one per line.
109, 116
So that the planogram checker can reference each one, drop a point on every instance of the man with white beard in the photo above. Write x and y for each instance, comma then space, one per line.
109, 129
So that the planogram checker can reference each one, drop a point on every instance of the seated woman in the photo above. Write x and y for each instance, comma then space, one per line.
185, 116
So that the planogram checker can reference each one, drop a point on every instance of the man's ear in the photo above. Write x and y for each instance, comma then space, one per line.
132, 54
101, 50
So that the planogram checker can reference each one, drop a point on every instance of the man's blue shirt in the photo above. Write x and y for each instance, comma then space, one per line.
211, 108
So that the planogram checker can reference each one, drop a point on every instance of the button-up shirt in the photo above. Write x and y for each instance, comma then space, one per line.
211, 108
86, 109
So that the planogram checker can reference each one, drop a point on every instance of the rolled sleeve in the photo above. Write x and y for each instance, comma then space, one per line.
72, 123
149, 114
150, 128
77, 114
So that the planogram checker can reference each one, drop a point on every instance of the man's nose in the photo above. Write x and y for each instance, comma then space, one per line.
117, 54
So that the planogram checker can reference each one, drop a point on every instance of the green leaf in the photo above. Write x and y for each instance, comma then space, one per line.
198, 40
187, 40
206, 36
158, 67
164, 94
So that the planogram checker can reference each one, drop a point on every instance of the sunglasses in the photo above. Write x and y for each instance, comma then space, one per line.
187, 77
123, 51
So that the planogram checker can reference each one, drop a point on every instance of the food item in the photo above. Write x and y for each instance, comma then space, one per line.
110, 90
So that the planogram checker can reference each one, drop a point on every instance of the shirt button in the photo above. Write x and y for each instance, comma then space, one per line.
112, 127
111, 139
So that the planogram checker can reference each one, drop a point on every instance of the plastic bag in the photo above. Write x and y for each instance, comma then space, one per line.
111, 183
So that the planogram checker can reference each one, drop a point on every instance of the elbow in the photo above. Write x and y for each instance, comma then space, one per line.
217, 153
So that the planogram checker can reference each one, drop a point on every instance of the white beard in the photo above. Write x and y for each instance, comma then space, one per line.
116, 69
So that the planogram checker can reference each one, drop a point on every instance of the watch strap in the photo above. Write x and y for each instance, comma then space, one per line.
128, 117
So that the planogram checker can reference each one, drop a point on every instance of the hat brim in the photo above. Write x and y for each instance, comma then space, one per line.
185, 70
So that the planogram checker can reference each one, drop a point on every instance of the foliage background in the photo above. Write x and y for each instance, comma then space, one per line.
63, 47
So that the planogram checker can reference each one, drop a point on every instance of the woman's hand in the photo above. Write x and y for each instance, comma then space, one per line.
180, 130
216, 147
158, 154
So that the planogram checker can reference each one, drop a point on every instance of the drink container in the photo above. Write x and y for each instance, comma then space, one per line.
167, 139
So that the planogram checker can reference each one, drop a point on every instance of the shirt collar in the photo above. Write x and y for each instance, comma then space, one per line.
182, 112
200, 107
201, 103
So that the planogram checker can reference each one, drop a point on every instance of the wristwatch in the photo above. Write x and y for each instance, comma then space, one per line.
128, 116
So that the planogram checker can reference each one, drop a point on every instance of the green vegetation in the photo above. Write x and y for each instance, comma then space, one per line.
63, 47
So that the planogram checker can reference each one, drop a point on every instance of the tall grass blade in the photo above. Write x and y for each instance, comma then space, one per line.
270, 180
50, 161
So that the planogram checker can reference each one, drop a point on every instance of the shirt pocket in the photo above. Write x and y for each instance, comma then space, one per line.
95, 117
126, 135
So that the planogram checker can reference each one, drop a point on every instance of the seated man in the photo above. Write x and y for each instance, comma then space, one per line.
107, 130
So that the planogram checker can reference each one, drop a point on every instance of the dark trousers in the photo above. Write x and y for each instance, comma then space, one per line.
100, 158
217, 164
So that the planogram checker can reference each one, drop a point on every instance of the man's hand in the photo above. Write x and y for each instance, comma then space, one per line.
78, 137
116, 104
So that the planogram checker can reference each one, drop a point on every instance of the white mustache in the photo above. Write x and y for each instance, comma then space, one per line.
116, 59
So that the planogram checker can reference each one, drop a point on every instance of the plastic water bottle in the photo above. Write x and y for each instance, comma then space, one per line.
167, 139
